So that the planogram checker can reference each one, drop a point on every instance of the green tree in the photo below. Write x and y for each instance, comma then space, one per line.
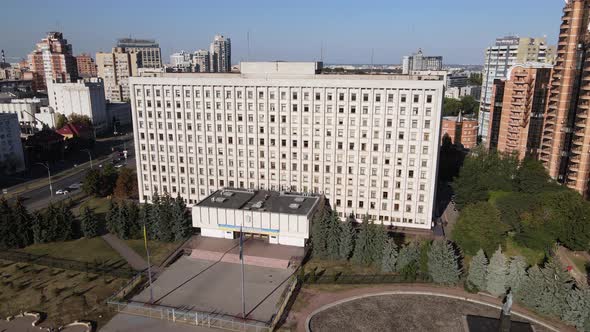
181, 223
92, 182
389, 256
497, 274
80, 120
531, 177
347, 238
334, 233
89, 223
61, 121
407, 258
443, 263
512, 207
478, 227
362, 247
111, 221
319, 234
475, 79
64, 223
577, 312
162, 224
469, 105
516, 273
8, 235
451, 107
378, 238
108, 180
126, 184
477, 276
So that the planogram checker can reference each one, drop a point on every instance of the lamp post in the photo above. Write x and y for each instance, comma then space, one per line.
89, 156
46, 165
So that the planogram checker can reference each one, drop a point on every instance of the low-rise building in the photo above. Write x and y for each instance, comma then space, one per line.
282, 218
462, 130
33, 114
12, 158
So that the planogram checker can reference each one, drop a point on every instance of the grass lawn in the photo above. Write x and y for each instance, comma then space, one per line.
159, 251
85, 250
65, 296
100, 205
532, 257
333, 267
579, 260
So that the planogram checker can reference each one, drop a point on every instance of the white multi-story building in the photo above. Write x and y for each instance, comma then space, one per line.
33, 114
505, 53
418, 62
85, 97
368, 142
11, 150
220, 55
201, 61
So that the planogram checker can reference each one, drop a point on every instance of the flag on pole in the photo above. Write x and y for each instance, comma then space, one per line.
145, 238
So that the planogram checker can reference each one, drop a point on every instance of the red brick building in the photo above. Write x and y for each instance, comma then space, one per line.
462, 130
53, 56
86, 66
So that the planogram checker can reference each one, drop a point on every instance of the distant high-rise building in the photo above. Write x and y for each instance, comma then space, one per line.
181, 59
115, 68
86, 66
149, 50
220, 55
566, 133
517, 111
505, 53
52, 60
201, 61
419, 61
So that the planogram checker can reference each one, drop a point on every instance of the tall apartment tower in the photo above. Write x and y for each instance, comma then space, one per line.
505, 53
566, 134
149, 50
201, 61
52, 59
419, 61
370, 143
86, 66
517, 112
115, 68
220, 55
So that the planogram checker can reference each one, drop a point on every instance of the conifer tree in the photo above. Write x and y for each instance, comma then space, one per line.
478, 271
389, 256
497, 274
378, 237
443, 263
89, 223
362, 247
347, 237
408, 255
111, 217
334, 233
516, 273
319, 234
181, 223
577, 312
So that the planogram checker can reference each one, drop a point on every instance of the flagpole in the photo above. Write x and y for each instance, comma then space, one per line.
242, 264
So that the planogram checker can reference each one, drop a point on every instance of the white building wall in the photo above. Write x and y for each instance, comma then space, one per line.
83, 98
196, 133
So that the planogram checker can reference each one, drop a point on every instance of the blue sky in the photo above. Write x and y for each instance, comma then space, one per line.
459, 30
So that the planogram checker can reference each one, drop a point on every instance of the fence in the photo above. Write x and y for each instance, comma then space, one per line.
197, 318
112, 269
312, 278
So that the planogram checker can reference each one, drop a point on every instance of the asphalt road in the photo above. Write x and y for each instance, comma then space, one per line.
39, 198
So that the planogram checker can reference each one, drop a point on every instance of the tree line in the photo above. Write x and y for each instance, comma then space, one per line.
370, 245
107, 181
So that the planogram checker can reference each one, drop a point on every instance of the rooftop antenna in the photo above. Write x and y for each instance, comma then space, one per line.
248, 40
322, 51
372, 54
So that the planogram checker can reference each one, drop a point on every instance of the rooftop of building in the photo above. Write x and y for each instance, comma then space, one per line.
132, 42
261, 200
305, 70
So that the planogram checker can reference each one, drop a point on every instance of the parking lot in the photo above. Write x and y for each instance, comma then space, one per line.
195, 284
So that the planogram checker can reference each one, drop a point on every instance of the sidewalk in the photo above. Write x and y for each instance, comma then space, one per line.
134, 259
315, 299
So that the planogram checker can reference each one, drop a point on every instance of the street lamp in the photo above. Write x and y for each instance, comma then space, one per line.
46, 165
89, 155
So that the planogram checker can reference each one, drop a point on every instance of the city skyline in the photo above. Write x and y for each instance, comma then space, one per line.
388, 30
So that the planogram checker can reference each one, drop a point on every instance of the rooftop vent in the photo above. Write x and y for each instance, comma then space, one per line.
219, 199
294, 206
299, 199
227, 194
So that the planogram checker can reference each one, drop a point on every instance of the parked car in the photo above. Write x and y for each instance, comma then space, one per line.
62, 192
119, 165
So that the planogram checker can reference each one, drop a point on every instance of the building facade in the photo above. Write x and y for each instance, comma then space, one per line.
53, 60
149, 50
201, 61
11, 149
517, 116
115, 68
220, 55
461, 130
566, 133
369, 143
281, 217
33, 114
420, 62
85, 97
499, 58
86, 66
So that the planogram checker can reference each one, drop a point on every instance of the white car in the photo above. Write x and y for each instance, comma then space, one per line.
62, 192
119, 165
